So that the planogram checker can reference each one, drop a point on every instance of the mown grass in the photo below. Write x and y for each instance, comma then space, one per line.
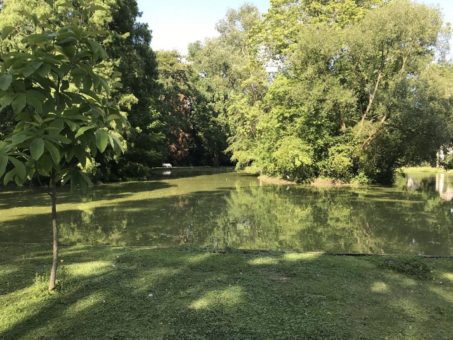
425, 169
107, 292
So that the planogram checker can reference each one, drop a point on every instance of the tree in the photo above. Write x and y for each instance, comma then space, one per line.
193, 131
63, 110
130, 70
359, 103
137, 65
282, 23
231, 77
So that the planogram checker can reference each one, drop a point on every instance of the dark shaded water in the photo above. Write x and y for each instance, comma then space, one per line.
221, 209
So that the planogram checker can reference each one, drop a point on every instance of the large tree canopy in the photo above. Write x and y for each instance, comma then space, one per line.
351, 98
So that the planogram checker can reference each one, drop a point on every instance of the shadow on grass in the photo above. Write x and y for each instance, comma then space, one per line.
170, 293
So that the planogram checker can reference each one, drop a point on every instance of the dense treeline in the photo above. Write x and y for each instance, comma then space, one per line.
347, 89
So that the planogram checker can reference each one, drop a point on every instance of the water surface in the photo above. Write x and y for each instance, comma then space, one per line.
221, 209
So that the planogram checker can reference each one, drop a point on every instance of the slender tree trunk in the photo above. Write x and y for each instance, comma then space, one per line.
53, 271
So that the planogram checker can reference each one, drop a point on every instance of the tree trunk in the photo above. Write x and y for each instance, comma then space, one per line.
53, 271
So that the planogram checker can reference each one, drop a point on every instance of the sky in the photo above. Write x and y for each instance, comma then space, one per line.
176, 23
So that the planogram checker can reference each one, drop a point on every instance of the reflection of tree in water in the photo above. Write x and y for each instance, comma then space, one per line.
369, 220
440, 184
83, 227
165, 221
334, 220
309, 220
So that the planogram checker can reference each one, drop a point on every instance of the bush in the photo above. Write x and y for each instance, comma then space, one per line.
360, 179
293, 159
339, 164
449, 162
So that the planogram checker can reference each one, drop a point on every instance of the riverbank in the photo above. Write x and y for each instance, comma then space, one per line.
425, 169
319, 182
139, 292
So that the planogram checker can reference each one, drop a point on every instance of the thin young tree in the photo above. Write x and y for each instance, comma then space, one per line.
64, 113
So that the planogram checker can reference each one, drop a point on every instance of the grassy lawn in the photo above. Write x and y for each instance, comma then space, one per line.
425, 169
108, 292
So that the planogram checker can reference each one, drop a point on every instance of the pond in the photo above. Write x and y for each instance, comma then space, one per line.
219, 209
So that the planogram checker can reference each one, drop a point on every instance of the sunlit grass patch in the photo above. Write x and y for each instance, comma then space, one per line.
86, 303
88, 269
260, 261
448, 276
293, 257
198, 258
228, 297
379, 287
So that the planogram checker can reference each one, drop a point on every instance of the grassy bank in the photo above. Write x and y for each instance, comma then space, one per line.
425, 169
110, 292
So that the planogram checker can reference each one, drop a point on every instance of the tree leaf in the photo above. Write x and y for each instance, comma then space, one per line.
31, 68
39, 38
35, 99
53, 151
5, 81
3, 164
102, 139
37, 148
9, 176
7, 30
19, 138
6, 99
84, 129
19, 103
20, 168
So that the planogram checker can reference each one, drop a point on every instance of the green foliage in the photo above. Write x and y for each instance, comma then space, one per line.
62, 107
292, 159
130, 47
194, 133
449, 161
339, 162
366, 100
282, 23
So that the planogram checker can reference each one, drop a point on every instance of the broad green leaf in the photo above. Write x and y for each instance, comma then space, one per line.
6, 99
84, 129
31, 68
9, 176
67, 41
35, 99
57, 124
37, 148
5, 81
44, 165
118, 146
19, 138
7, 30
3, 164
44, 70
72, 125
69, 50
19, 103
20, 168
53, 151
39, 38
102, 139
